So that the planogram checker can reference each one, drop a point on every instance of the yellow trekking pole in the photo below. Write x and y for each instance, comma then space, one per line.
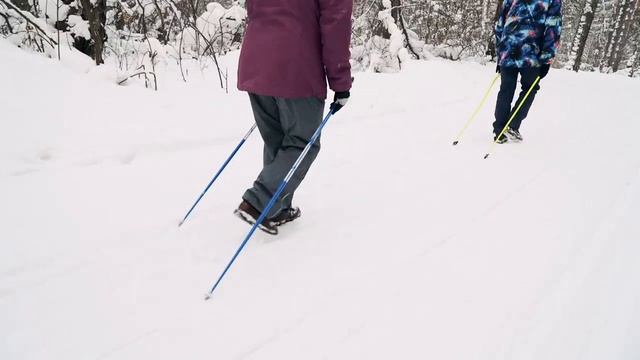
484, 99
526, 96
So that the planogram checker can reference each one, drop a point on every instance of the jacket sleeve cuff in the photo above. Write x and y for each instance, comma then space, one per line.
341, 84
546, 59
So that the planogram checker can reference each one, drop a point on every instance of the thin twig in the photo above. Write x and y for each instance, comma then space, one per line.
6, 19
152, 56
213, 53
58, 26
174, 8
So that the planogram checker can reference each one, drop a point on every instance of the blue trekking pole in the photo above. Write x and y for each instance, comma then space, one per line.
274, 198
244, 139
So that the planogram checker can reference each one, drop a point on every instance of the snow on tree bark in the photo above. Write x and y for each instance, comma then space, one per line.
625, 33
624, 14
582, 34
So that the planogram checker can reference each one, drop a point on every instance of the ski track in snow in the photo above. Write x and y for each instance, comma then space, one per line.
408, 247
114, 351
126, 157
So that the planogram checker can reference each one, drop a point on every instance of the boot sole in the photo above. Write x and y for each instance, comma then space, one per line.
244, 216
280, 223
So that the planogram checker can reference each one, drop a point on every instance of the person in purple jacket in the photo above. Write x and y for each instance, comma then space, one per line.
291, 49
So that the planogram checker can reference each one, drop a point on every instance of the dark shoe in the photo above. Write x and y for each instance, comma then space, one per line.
503, 139
285, 216
514, 135
249, 214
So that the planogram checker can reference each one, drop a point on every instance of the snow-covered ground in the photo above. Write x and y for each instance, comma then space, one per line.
408, 248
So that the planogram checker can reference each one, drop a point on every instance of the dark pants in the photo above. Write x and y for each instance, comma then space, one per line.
286, 126
509, 82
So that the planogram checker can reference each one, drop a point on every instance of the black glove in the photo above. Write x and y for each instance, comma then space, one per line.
498, 69
340, 100
544, 70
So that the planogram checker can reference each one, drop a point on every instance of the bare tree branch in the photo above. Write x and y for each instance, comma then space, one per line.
6, 19
36, 26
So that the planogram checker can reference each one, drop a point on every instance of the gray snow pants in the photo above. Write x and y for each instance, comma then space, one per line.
286, 126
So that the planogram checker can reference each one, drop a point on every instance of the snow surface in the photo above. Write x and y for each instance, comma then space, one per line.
408, 248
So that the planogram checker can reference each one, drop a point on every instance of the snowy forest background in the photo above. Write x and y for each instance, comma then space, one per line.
598, 35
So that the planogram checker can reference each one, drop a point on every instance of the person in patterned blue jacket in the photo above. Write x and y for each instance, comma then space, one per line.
527, 39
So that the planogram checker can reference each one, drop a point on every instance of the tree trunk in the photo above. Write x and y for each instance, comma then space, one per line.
582, 34
96, 16
396, 10
163, 33
614, 35
636, 64
395, 13
606, 53
626, 31
491, 46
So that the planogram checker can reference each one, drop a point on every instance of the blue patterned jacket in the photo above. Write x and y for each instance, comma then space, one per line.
528, 32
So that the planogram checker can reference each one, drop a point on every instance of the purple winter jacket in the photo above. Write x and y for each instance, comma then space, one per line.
292, 47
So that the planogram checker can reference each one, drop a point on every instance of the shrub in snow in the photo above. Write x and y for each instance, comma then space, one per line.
389, 52
218, 29
24, 29
138, 55
382, 43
